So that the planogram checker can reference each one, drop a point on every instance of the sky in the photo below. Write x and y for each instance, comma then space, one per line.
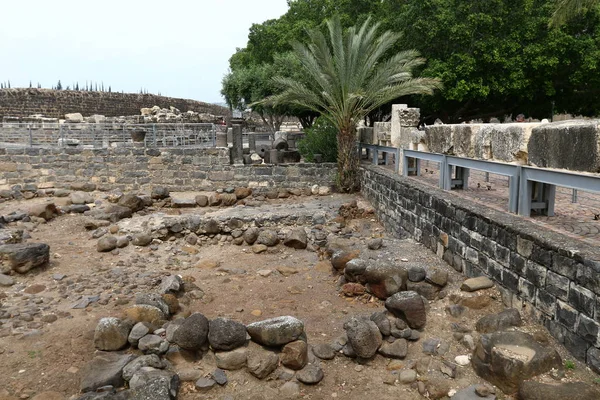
180, 48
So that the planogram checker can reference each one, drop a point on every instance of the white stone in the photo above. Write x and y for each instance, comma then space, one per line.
462, 360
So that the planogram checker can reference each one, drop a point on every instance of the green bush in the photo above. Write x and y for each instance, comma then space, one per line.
321, 138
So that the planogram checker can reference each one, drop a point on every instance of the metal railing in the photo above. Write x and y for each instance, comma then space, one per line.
105, 135
387, 151
530, 188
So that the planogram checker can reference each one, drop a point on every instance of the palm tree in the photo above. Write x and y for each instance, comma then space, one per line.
568, 9
346, 75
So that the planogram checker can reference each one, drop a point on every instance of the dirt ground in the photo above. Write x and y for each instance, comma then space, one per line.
38, 356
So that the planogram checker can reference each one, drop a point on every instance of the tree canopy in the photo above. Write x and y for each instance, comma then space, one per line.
494, 57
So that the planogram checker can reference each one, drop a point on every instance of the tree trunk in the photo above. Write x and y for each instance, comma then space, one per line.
348, 163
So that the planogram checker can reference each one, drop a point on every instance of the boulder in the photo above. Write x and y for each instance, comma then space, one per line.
296, 239
46, 211
131, 201
81, 198
153, 344
364, 336
104, 369
242, 192
262, 362
23, 257
267, 237
160, 381
225, 334
506, 359
145, 313
250, 235
228, 199
294, 355
201, 200
231, 360
141, 239
111, 334
310, 375
409, 306
323, 351
354, 270
383, 280
498, 322
170, 284
192, 334
106, 244
112, 213
138, 331
150, 360
478, 283
276, 331
340, 258
83, 186
397, 349
159, 192
153, 299
74, 117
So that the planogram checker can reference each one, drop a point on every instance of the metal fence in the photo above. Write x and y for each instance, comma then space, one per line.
102, 135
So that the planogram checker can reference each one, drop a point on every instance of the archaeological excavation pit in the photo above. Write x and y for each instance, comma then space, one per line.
241, 295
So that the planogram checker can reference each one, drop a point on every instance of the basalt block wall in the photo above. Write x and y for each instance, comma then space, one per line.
57, 103
139, 168
555, 277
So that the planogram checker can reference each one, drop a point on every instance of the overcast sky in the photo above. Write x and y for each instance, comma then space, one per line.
179, 48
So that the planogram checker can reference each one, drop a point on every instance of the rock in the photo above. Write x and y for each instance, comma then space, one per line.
203, 385
294, 355
153, 344
250, 235
437, 277
397, 349
469, 393
228, 199
323, 351
150, 360
455, 310
141, 239
408, 306
340, 258
153, 299
192, 334
189, 374
112, 213
407, 376
384, 280
6, 280
106, 244
111, 334
296, 239
375, 244
46, 211
214, 199
353, 289
476, 302
131, 201
364, 336
74, 117
225, 334
161, 381
531, 390
170, 284
138, 331
262, 362
462, 360
105, 369
219, 376
183, 202
479, 283
201, 200
498, 322
438, 387
81, 198
354, 270
267, 237
416, 273
276, 331
23, 257
289, 390
242, 192
310, 375
159, 192
259, 248
506, 359
231, 360
145, 313
382, 321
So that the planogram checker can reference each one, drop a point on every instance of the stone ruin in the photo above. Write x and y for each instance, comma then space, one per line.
140, 347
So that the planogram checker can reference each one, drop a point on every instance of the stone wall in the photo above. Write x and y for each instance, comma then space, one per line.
138, 168
555, 277
57, 103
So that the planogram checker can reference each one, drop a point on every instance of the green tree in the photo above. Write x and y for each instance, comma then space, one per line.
347, 75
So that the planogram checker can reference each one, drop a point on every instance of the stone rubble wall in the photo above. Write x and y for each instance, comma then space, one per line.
555, 277
57, 103
138, 168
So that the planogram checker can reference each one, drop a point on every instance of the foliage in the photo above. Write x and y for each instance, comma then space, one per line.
569, 364
346, 75
321, 138
568, 9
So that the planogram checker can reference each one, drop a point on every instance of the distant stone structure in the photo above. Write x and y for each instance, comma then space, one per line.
57, 103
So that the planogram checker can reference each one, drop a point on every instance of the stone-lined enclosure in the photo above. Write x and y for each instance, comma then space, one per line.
554, 277
57, 103
138, 168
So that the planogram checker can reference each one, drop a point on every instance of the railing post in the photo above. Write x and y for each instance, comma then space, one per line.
524, 193
397, 166
30, 135
574, 196
375, 156
445, 174
513, 191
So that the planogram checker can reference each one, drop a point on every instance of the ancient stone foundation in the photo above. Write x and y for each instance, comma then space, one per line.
554, 277
134, 169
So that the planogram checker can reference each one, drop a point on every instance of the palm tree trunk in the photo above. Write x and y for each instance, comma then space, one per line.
348, 163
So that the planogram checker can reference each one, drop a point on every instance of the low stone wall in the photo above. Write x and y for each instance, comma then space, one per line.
138, 168
555, 277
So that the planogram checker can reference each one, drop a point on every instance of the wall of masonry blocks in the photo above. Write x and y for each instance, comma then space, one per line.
139, 168
553, 276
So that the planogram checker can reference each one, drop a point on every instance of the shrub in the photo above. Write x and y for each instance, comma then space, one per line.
321, 138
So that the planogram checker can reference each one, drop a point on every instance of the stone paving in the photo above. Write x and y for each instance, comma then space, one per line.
576, 220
